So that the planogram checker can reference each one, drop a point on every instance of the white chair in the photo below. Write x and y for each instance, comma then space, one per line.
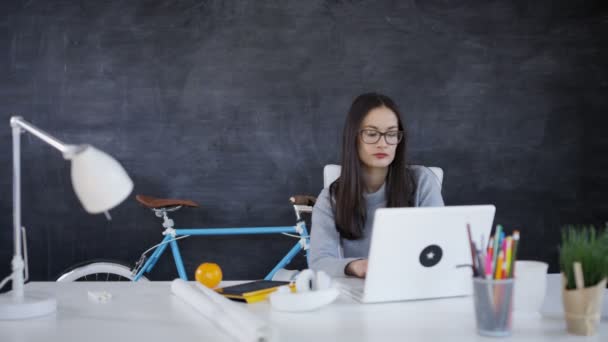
331, 172
301, 203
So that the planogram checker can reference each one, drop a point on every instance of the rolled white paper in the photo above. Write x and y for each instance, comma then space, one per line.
234, 320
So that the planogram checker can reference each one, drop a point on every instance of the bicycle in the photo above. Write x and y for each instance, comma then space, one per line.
94, 270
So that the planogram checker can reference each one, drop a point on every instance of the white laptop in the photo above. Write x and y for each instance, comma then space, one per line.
415, 253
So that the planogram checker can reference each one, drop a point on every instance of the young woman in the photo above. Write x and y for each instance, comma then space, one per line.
374, 174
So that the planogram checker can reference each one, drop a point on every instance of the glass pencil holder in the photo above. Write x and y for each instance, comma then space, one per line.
493, 300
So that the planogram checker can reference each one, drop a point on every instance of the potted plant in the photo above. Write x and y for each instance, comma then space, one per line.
584, 266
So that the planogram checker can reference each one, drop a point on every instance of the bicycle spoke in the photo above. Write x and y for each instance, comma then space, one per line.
105, 276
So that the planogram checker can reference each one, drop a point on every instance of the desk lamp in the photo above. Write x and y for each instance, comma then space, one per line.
100, 184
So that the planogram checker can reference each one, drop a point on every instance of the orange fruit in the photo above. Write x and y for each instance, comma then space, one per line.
208, 274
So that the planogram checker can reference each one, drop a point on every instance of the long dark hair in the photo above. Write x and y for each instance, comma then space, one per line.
347, 191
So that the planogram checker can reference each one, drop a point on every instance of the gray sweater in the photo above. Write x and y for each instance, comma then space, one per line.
330, 253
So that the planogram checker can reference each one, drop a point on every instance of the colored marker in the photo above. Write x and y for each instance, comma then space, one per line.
496, 247
488, 265
491, 255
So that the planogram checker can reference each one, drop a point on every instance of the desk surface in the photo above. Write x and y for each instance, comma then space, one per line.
147, 311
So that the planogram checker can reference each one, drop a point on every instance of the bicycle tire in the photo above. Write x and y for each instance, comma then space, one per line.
98, 270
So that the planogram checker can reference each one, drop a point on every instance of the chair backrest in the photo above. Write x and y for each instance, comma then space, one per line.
331, 172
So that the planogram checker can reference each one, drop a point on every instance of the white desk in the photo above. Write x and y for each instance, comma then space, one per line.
147, 311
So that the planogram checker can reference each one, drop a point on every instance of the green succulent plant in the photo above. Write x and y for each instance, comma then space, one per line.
587, 246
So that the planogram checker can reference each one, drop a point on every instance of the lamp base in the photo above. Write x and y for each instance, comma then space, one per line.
30, 306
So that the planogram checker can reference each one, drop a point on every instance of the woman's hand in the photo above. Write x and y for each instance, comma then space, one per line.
357, 268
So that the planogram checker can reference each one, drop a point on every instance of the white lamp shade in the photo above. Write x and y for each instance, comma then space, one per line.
99, 181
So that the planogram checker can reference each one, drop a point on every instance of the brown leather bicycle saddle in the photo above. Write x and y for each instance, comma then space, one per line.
303, 200
154, 202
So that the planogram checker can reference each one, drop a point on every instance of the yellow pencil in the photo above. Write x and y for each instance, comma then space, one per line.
509, 259
514, 253
499, 265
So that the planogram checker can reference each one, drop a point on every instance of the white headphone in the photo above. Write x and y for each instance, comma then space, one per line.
313, 290
308, 280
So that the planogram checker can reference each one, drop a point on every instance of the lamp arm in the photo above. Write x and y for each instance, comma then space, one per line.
66, 149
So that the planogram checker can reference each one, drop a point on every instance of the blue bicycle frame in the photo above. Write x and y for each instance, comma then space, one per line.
170, 240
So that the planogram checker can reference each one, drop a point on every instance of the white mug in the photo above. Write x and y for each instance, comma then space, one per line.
530, 285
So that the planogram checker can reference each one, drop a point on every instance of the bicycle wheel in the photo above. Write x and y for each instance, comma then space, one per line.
98, 270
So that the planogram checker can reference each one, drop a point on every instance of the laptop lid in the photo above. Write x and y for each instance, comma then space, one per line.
415, 252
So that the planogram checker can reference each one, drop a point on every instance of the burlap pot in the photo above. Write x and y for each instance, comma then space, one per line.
582, 308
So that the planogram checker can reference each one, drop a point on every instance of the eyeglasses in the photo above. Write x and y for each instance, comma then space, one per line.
372, 136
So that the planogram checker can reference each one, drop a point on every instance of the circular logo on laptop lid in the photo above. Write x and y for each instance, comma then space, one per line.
430, 256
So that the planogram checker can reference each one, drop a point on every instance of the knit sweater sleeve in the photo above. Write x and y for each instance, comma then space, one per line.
325, 249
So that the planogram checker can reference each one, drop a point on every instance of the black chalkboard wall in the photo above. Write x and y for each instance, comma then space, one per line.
239, 104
